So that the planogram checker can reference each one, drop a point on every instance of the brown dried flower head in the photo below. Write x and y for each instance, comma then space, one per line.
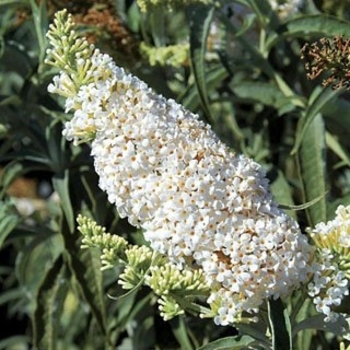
331, 58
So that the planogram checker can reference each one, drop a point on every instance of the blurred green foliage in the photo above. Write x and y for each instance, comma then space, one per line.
243, 75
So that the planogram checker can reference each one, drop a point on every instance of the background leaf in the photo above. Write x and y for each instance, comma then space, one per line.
85, 266
200, 17
8, 221
316, 25
279, 325
46, 312
61, 186
229, 343
312, 159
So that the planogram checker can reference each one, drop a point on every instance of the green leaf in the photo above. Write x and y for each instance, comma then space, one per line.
34, 260
9, 2
8, 221
282, 192
265, 93
302, 312
229, 343
56, 145
11, 295
41, 25
200, 17
317, 101
9, 173
180, 331
85, 266
44, 319
61, 186
263, 10
334, 144
279, 325
214, 78
15, 342
311, 160
307, 26
340, 327
144, 336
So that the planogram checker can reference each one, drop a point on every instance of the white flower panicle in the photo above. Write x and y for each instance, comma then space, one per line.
331, 266
198, 202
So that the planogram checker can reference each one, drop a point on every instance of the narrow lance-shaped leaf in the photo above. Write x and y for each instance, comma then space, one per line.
229, 343
40, 24
282, 192
214, 77
86, 268
340, 327
335, 145
319, 24
279, 325
268, 94
15, 342
311, 161
200, 17
318, 100
61, 186
181, 332
8, 221
44, 324
8, 174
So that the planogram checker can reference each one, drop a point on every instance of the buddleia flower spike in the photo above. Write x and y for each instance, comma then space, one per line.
198, 203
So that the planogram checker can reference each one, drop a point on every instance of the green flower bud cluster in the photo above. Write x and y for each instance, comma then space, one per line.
168, 278
176, 288
138, 262
112, 246
142, 266
69, 52
172, 55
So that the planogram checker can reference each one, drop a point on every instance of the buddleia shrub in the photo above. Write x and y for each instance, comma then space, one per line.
174, 174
